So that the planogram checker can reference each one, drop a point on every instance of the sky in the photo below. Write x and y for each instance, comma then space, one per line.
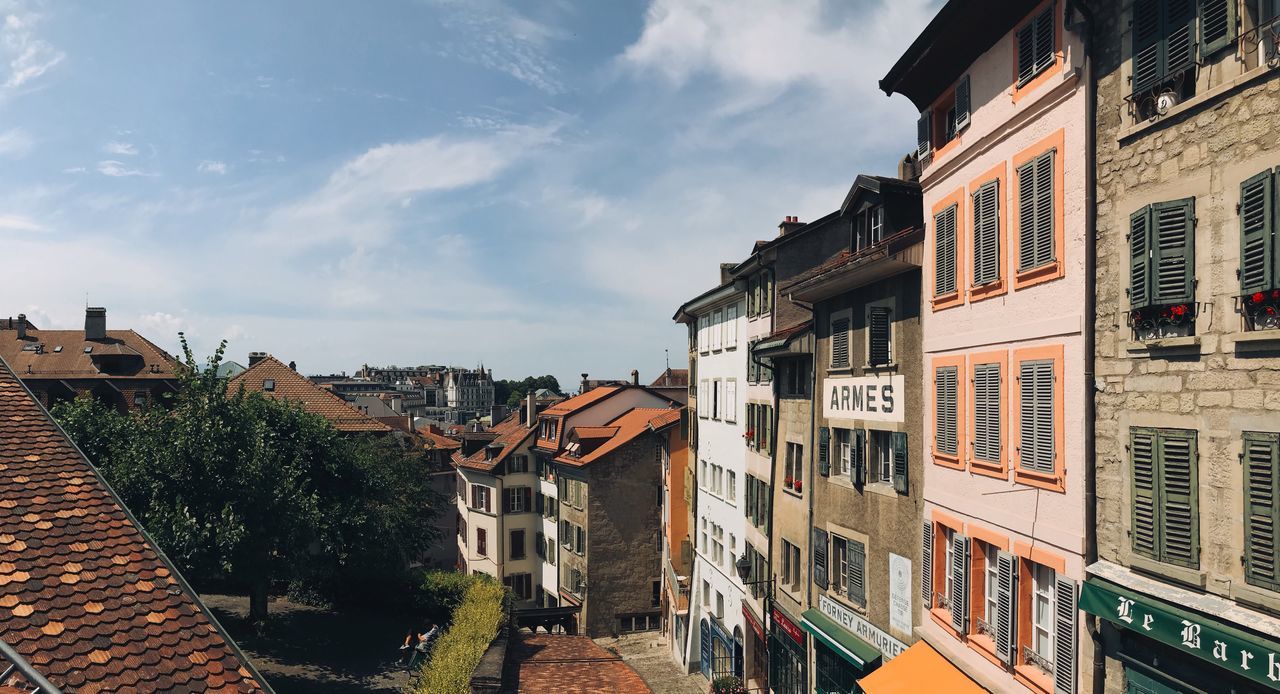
534, 186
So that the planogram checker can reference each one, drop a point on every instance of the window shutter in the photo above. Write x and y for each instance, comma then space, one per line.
820, 557
857, 460
1045, 40
924, 134
840, 341
1261, 458
526, 494
1217, 25
960, 583
1258, 258
1140, 258
1180, 43
1044, 208
986, 412
1006, 606
1036, 435
753, 296
824, 451
1146, 44
538, 504
962, 103
945, 410
926, 566
1026, 215
1064, 642
944, 259
1145, 524
1026, 53
1180, 539
1173, 251
856, 573
898, 441
879, 351
986, 234
506, 500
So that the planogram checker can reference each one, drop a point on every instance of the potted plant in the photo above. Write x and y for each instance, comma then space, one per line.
728, 684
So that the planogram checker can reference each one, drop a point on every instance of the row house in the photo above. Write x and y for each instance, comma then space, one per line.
1186, 583
1004, 159
677, 536
601, 452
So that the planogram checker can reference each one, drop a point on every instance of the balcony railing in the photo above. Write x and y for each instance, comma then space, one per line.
1045, 665
17, 665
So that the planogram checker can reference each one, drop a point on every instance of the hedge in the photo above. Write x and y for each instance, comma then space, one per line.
474, 625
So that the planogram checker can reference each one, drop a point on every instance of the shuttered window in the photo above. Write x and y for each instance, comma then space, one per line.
1261, 494
1036, 46
945, 410
963, 100
820, 557
958, 599
840, 340
1163, 43
898, 448
855, 573
1006, 606
1217, 25
986, 412
879, 349
1259, 259
944, 258
753, 297
1035, 424
1162, 254
824, 451
1165, 514
1035, 212
858, 458
986, 234
926, 566
924, 132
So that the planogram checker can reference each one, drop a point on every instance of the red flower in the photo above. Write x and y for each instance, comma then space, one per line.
1257, 297
798, 485
1275, 293
1180, 310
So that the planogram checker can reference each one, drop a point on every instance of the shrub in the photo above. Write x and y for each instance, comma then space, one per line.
728, 684
474, 625
440, 594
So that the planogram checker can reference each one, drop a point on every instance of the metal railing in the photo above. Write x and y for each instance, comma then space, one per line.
19, 666
1029, 654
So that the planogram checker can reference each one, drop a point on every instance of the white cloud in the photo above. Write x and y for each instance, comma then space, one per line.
118, 148
212, 166
118, 169
74, 170
15, 143
16, 222
500, 38
29, 57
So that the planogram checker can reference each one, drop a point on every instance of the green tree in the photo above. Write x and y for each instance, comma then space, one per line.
512, 392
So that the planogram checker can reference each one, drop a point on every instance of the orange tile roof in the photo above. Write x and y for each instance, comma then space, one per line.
579, 402
512, 433
292, 386
570, 665
667, 418
85, 596
73, 362
627, 427
434, 440
671, 378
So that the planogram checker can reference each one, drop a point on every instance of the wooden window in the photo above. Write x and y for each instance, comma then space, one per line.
1163, 45
482, 542
840, 323
944, 277
839, 564
731, 327
824, 451
1217, 25
819, 567
731, 400
898, 453
1036, 213
517, 544
1165, 510
987, 411
924, 134
1259, 258
855, 573
1261, 495
1036, 49
879, 336
1162, 254
986, 234
946, 405
962, 106
1036, 437
957, 592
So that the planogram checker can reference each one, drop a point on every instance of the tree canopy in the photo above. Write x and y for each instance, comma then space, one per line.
512, 392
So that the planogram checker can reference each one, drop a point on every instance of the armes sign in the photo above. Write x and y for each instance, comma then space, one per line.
867, 398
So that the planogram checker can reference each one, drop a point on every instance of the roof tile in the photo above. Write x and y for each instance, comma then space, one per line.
292, 386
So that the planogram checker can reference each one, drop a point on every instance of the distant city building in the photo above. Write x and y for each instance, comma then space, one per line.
274, 379
470, 391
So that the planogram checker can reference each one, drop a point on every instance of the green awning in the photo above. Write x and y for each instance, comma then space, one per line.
852, 648
1249, 655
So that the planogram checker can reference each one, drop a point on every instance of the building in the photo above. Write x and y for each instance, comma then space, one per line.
274, 379
677, 523
866, 496
90, 602
118, 367
1004, 159
393, 373
718, 645
1188, 292
469, 391
602, 453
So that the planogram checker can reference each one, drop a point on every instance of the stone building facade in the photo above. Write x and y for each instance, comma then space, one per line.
1188, 402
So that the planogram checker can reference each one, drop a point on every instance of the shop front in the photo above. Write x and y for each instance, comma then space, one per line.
757, 651
788, 655
846, 646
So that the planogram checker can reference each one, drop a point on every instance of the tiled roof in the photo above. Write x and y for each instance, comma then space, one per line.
85, 596
511, 433
670, 378
667, 418
570, 665
579, 402
434, 440
73, 362
626, 427
290, 385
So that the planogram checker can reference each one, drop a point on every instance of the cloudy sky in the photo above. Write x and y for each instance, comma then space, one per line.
536, 185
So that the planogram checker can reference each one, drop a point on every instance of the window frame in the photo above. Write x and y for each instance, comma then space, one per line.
956, 297
833, 319
998, 468
999, 176
890, 305
1054, 268
940, 457
1057, 480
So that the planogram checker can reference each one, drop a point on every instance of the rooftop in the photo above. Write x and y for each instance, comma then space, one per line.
569, 665
69, 354
616, 434
511, 432
287, 384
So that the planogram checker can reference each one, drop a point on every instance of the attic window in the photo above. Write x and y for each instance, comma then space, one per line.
57, 349
269, 384
87, 350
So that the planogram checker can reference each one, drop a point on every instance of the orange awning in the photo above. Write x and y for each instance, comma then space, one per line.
919, 669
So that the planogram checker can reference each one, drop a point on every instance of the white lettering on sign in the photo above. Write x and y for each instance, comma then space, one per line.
861, 628
1190, 634
868, 398
1125, 610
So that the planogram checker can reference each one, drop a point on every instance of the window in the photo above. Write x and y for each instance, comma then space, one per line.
518, 463
518, 499
1165, 510
990, 583
481, 498
731, 327
482, 542
1163, 47
876, 215
842, 452
1042, 617
269, 384
566, 534
766, 292
703, 404
579, 541
986, 234
1259, 252
1262, 496
552, 551
716, 402
1036, 437
819, 566
795, 378
987, 441
706, 593
795, 467
839, 564
517, 544
840, 323
946, 395
753, 296
704, 545
540, 545
719, 605
704, 334
1036, 50
879, 336
944, 254
520, 584
1162, 269
1036, 213
548, 429
717, 318
948, 561
790, 565
731, 400
731, 488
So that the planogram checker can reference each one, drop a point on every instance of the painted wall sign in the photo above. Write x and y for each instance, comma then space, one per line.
788, 626
869, 398
861, 628
755, 623
900, 585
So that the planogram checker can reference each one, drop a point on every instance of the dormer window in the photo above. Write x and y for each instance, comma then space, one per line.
269, 384
870, 227
948, 117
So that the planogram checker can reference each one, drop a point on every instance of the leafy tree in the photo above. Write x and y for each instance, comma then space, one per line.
512, 392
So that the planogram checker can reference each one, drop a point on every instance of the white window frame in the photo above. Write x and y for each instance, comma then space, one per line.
841, 452
731, 326
731, 400
717, 317
731, 489
991, 573
1042, 592
890, 303
948, 588
839, 564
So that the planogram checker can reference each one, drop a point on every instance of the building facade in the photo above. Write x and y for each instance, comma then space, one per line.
1187, 349
1003, 170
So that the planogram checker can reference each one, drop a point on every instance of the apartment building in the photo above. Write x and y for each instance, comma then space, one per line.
677, 524
1003, 170
1188, 346
866, 495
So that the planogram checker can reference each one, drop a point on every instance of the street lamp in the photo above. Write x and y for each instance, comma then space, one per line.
743, 567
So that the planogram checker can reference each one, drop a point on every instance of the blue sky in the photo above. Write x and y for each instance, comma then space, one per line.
536, 185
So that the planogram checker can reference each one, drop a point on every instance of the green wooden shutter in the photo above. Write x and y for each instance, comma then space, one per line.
824, 451
959, 598
820, 557
1035, 423
1027, 215
986, 412
1064, 642
1144, 520
856, 573
1217, 25
1140, 259
945, 408
1180, 536
1026, 53
1173, 251
1045, 39
878, 350
753, 296
1146, 44
944, 260
926, 566
1006, 606
962, 103
1180, 41
924, 134
898, 443
986, 234
858, 459
840, 341
1257, 234
1164, 42
1036, 47
1261, 460
1044, 250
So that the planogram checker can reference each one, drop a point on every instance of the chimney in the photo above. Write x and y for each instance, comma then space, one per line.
293, 365
95, 323
22, 326
635, 377
908, 168
255, 357
530, 409
583, 388
497, 413
788, 225
726, 272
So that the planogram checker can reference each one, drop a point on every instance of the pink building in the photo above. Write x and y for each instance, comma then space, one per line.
1003, 160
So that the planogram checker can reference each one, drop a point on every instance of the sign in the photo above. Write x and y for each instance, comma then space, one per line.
869, 398
782, 622
751, 619
855, 624
900, 585
1223, 645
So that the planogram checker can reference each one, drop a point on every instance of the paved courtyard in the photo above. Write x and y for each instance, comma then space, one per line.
650, 655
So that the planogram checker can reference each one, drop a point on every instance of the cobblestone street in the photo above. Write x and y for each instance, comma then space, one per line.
650, 655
